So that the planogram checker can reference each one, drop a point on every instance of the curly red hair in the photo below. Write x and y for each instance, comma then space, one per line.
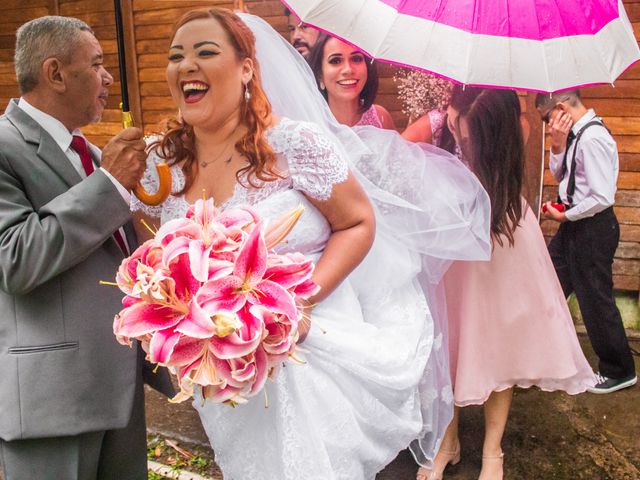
178, 142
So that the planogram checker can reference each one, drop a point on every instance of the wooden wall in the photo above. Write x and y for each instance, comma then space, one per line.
148, 25
619, 107
147, 28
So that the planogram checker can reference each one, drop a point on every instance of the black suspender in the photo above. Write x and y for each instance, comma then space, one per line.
571, 185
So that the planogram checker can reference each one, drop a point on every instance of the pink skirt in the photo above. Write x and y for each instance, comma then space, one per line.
509, 323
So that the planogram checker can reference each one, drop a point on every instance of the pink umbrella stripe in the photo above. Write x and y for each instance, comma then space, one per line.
487, 17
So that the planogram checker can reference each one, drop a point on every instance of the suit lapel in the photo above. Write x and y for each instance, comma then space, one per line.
48, 150
50, 153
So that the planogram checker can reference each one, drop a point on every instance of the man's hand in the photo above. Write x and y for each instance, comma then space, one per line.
559, 128
124, 157
552, 213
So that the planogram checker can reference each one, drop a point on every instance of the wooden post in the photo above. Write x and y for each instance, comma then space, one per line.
54, 7
534, 151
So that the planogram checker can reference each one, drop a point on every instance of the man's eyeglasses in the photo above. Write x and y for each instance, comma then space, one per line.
546, 118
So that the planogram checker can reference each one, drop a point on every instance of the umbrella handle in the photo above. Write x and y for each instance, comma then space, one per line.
164, 187
164, 175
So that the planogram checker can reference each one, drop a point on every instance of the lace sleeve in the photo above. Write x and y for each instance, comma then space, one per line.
150, 183
314, 162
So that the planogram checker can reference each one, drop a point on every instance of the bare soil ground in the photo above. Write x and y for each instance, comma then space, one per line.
550, 436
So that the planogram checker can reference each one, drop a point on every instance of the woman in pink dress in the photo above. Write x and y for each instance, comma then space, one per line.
509, 324
348, 81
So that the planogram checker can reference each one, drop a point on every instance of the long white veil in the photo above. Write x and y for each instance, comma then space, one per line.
428, 205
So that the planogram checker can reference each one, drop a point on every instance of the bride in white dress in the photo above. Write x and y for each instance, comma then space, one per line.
373, 377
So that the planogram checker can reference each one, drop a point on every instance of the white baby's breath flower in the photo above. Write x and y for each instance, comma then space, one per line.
421, 92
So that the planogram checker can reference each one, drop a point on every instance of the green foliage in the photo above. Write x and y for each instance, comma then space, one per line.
158, 450
627, 304
200, 463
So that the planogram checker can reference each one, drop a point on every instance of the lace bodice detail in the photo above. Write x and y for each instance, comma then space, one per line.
370, 117
310, 164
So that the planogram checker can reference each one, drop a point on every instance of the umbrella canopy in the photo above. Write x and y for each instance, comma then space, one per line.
540, 45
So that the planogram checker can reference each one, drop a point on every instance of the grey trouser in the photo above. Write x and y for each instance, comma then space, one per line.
108, 455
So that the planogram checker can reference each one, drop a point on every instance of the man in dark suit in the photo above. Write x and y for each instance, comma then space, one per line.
302, 36
71, 397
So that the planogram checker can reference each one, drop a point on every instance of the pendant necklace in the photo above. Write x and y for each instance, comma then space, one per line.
204, 164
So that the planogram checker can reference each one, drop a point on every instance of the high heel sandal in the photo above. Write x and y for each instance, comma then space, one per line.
451, 456
495, 457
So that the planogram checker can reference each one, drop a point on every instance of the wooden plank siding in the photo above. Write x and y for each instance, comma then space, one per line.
148, 26
619, 107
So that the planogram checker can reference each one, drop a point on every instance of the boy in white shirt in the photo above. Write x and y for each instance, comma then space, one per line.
584, 159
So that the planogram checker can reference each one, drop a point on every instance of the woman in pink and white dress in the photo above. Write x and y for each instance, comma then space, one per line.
348, 80
509, 324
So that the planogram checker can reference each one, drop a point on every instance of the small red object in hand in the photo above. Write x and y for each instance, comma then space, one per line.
557, 206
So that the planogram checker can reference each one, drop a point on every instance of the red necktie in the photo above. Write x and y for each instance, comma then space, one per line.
79, 144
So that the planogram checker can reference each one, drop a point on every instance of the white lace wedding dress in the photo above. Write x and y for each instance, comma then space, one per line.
354, 404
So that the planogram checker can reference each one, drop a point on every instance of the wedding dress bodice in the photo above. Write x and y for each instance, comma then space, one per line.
311, 167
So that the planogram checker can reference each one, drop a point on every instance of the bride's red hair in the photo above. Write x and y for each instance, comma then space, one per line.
178, 143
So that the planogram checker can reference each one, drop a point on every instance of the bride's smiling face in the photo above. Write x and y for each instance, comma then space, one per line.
206, 78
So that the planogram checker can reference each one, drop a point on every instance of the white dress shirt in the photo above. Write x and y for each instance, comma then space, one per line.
63, 137
597, 168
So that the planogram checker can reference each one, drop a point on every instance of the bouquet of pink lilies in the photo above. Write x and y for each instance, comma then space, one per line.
209, 298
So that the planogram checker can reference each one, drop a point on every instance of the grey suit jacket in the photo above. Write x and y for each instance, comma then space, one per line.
61, 370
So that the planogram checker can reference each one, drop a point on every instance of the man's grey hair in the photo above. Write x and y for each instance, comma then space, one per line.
547, 101
43, 38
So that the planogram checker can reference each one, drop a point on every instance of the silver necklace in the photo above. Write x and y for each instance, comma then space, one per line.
205, 164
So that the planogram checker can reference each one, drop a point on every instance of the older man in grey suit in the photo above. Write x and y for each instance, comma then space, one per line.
71, 397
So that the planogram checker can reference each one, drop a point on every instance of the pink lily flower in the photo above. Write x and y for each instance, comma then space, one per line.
245, 377
222, 380
289, 270
171, 305
236, 335
280, 332
149, 253
205, 233
278, 229
246, 284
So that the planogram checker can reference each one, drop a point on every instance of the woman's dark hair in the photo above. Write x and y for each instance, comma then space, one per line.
178, 143
447, 140
370, 90
494, 150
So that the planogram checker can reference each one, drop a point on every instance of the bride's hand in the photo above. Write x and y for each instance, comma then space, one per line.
304, 325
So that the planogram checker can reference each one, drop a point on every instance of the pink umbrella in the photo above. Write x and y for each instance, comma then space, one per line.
540, 45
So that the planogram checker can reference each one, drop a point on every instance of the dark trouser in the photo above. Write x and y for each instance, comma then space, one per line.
108, 455
582, 254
